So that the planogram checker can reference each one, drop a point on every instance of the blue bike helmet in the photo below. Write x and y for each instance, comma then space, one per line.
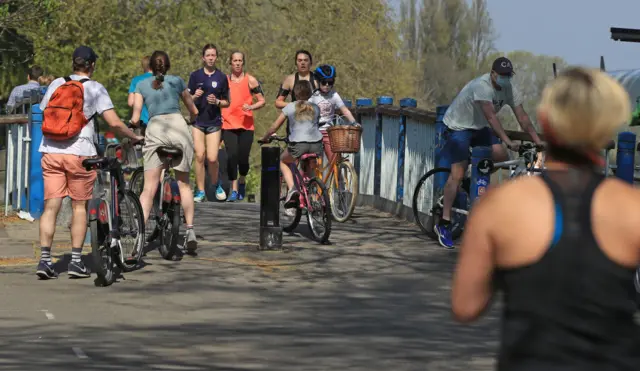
325, 72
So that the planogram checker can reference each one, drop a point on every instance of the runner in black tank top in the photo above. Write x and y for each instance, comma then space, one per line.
573, 308
303, 62
312, 80
562, 247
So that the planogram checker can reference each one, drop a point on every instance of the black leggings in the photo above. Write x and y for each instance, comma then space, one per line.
237, 143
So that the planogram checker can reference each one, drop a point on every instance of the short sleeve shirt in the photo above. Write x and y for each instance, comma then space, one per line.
164, 100
465, 112
328, 104
216, 84
144, 116
96, 102
302, 130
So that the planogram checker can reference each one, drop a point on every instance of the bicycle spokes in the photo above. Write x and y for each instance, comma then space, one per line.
316, 207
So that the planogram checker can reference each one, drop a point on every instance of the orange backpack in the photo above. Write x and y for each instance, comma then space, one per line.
64, 116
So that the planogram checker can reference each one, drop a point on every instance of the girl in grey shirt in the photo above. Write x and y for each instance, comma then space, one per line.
303, 134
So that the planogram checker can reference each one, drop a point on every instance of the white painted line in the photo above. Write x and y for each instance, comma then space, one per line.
79, 353
49, 315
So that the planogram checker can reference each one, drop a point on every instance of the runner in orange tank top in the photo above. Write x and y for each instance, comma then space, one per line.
237, 123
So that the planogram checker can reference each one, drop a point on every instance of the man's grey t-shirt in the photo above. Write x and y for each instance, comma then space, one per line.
465, 112
303, 130
164, 100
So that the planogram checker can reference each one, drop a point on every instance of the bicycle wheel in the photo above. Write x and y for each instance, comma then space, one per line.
131, 231
136, 183
152, 229
343, 192
101, 252
169, 227
289, 218
318, 210
425, 195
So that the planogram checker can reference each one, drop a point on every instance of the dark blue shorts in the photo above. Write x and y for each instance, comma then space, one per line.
209, 129
458, 142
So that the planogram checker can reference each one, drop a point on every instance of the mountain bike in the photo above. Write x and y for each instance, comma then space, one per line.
425, 192
341, 177
313, 199
112, 239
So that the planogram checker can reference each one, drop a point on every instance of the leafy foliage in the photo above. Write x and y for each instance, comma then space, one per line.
430, 52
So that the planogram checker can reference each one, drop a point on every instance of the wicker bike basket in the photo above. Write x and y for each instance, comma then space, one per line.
345, 138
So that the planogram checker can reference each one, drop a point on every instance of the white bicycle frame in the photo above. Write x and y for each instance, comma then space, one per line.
518, 166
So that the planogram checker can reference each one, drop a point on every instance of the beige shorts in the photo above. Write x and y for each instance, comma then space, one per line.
168, 130
64, 176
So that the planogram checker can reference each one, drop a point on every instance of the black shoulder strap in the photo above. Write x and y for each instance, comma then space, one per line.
312, 80
67, 78
84, 80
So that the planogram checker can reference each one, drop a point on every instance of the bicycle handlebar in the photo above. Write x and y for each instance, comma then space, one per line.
273, 138
527, 147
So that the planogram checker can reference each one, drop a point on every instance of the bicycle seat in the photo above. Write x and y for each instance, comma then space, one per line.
611, 145
308, 156
167, 151
95, 163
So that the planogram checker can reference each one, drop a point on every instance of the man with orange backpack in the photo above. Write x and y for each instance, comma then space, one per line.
69, 107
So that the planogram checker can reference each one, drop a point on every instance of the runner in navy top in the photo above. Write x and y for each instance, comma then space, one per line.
210, 91
564, 246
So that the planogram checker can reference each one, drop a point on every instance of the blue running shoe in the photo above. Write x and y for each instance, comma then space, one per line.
242, 188
444, 236
221, 195
45, 271
199, 196
233, 197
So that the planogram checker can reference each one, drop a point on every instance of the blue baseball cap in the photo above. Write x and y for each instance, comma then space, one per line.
85, 53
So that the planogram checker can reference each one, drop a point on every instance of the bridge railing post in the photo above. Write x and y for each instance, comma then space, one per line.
402, 146
481, 166
36, 182
270, 230
377, 167
360, 103
625, 156
441, 157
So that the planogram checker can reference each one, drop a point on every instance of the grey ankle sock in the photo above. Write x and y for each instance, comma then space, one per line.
45, 254
76, 254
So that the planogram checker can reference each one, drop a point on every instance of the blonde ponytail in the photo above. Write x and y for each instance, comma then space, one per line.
304, 111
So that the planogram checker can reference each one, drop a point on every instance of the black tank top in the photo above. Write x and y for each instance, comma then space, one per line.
296, 78
573, 309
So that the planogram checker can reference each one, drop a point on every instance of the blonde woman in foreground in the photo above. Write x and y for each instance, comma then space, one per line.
563, 247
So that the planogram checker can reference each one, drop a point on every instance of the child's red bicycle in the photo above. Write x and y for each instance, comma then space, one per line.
314, 198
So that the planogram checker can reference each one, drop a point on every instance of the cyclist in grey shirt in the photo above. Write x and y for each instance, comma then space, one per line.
303, 134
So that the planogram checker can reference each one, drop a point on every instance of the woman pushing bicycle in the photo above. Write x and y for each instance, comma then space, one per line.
563, 246
303, 135
167, 128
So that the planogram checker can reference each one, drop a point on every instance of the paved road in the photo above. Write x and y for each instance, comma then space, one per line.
376, 299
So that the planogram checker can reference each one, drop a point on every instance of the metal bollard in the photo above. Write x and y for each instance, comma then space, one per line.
625, 156
481, 166
270, 230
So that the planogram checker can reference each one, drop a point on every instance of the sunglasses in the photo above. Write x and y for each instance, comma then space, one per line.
327, 82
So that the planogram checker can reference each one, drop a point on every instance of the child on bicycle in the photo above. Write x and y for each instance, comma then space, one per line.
328, 100
303, 135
